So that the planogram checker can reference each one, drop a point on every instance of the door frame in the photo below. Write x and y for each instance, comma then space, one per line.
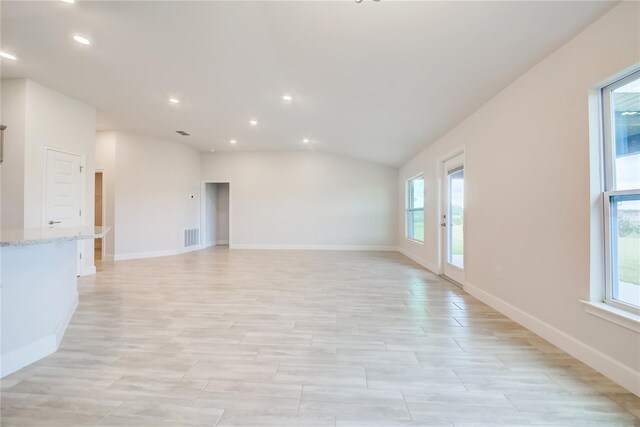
203, 210
104, 207
82, 201
442, 201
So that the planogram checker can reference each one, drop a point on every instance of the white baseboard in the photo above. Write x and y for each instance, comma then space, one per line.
64, 322
423, 262
315, 247
609, 367
34, 351
216, 243
87, 271
155, 254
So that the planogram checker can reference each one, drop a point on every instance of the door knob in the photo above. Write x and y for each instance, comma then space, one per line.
51, 222
444, 224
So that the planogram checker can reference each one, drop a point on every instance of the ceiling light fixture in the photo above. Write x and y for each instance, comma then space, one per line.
232, 141
69, 1
305, 141
286, 97
253, 122
174, 100
212, 150
81, 39
8, 55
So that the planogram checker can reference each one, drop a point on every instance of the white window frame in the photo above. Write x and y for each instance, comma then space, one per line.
609, 192
409, 210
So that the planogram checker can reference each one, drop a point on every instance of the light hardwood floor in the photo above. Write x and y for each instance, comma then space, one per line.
304, 338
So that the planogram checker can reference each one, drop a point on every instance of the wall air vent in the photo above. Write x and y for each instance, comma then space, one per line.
183, 133
191, 237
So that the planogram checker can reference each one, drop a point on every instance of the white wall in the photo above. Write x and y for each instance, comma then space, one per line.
13, 101
306, 199
153, 193
528, 199
47, 119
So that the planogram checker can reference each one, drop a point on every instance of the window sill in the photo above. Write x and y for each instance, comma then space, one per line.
417, 242
613, 314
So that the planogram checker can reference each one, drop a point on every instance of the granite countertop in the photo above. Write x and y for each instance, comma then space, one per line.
37, 236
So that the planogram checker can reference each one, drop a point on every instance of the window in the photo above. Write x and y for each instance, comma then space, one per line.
621, 125
415, 209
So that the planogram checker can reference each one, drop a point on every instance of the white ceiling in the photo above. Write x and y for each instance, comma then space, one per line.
376, 81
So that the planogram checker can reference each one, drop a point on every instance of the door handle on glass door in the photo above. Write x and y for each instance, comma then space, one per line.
54, 222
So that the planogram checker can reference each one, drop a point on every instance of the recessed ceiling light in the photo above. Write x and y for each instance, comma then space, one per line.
305, 141
174, 100
8, 55
81, 39
253, 122
69, 1
212, 150
287, 97
232, 141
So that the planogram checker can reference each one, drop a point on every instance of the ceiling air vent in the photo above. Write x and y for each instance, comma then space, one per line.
183, 133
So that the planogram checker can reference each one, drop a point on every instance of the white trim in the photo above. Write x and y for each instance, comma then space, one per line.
423, 262
458, 160
612, 314
64, 322
609, 367
28, 354
103, 245
34, 351
87, 270
316, 247
155, 254
416, 241
215, 243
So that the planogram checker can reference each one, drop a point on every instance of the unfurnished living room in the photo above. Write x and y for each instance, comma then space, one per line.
364, 213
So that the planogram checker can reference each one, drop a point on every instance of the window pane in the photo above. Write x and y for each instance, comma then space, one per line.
625, 242
626, 135
417, 193
415, 220
456, 219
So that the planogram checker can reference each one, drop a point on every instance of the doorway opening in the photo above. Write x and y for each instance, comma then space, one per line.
98, 249
216, 223
452, 225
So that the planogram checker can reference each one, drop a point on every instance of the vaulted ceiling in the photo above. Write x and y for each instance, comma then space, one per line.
376, 80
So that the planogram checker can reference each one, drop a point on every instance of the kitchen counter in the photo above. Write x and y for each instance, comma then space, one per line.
38, 290
36, 236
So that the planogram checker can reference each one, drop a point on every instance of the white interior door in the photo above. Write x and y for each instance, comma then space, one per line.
63, 191
453, 218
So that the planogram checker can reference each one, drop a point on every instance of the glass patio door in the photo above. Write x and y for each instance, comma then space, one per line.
453, 219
